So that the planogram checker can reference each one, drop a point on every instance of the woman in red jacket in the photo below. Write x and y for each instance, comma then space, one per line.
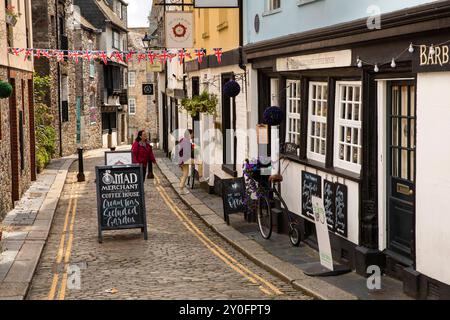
143, 153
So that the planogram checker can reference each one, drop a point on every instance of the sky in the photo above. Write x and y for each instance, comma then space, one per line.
138, 12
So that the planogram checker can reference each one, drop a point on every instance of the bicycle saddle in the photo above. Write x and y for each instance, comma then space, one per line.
276, 178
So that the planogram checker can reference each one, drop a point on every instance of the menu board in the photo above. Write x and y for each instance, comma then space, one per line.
311, 186
233, 193
120, 198
341, 209
329, 196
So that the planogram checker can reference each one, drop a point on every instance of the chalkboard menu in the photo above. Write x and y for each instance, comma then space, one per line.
311, 186
329, 197
233, 193
120, 199
341, 209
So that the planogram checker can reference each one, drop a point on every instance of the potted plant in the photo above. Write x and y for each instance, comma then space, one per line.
11, 15
5, 90
204, 103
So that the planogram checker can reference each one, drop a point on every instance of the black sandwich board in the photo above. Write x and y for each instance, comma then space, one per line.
233, 193
120, 199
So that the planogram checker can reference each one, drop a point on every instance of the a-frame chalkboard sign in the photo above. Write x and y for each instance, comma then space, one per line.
120, 199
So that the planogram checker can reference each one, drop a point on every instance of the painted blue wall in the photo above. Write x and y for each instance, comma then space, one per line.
295, 18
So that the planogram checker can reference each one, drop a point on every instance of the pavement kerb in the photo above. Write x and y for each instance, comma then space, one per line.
48, 206
312, 286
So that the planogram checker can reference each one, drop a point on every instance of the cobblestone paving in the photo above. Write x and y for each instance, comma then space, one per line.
172, 264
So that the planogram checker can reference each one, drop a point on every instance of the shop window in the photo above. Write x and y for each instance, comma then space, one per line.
317, 123
132, 106
348, 126
132, 79
293, 112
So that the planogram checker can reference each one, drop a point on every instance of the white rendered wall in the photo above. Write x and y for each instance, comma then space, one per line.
291, 192
433, 176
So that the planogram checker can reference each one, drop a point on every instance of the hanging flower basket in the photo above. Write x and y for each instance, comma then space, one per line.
204, 103
273, 116
232, 89
11, 16
5, 90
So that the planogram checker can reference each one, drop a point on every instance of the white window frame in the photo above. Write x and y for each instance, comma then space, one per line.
129, 106
312, 154
131, 83
293, 111
116, 37
270, 5
348, 124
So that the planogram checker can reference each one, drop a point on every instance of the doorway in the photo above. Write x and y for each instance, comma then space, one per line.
228, 129
401, 168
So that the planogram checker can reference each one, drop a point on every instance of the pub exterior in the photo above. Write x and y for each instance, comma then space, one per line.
366, 128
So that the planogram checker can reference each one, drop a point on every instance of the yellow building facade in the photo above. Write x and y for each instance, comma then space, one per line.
216, 28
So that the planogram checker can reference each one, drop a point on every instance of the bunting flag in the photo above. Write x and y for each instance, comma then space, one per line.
129, 56
152, 56
200, 54
218, 53
117, 56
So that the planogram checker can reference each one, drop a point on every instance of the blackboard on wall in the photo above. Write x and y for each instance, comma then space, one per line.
233, 196
341, 209
311, 186
120, 199
329, 203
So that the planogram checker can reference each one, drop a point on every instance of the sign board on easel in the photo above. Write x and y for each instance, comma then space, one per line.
118, 158
323, 237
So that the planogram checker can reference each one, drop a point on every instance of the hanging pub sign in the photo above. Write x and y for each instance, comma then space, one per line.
120, 199
431, 58
147, 89
216, 4
311, 186
179, 29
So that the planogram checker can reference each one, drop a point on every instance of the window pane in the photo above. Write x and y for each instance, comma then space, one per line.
394, 162
404, 154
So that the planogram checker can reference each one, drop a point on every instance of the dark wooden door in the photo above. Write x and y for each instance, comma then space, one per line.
401, 124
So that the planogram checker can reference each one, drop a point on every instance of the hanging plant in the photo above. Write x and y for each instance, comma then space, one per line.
232, 89
11, 15
273, 116
5, 90
204, 103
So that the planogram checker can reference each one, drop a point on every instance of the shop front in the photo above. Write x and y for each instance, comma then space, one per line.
365, 131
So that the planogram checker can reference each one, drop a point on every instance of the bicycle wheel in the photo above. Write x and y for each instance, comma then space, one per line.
294, 235
265, 218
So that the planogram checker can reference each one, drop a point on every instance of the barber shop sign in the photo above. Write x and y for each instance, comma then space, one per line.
432, 58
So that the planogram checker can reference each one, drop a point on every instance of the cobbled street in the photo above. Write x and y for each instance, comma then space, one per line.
182, 259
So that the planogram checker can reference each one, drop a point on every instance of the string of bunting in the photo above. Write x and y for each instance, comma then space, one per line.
393, 61
116, 56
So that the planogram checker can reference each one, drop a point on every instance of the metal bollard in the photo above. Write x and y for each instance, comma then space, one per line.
80, 176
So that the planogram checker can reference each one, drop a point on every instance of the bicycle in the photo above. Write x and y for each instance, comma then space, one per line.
271, 191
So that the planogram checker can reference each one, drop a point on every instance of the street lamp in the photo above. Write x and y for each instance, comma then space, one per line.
146, 41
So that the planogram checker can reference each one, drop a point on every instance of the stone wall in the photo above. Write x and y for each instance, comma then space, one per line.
88, 89
45, 36
13, 183
5, 152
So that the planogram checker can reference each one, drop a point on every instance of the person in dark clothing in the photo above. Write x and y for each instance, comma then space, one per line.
143, 154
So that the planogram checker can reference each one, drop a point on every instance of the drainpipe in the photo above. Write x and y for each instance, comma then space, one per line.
59, 80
